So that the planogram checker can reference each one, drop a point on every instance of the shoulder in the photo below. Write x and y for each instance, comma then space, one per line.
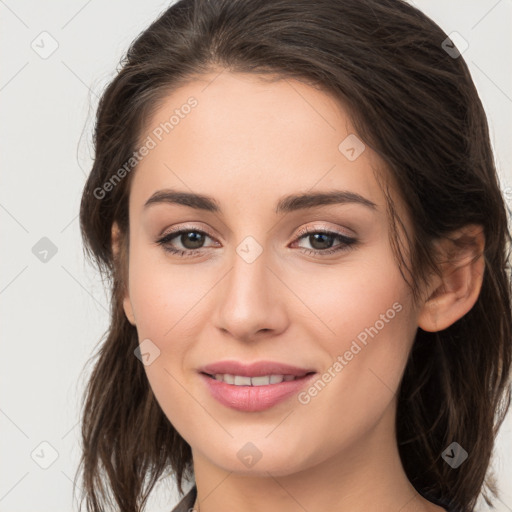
187, 502
437, 505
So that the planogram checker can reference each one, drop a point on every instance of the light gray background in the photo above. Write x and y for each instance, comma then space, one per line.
54, 312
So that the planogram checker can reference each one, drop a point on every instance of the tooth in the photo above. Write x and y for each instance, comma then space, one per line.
260, 381
229, 379
263, 380
242, 381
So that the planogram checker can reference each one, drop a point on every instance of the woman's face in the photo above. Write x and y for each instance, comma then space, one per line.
253, 286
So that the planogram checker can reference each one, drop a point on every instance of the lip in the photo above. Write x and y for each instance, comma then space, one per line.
256, 369
254, 398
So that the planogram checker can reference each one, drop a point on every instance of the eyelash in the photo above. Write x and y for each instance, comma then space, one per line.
346, 244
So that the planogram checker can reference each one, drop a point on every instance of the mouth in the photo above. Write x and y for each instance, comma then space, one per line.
236, 372
256, 387
262, 380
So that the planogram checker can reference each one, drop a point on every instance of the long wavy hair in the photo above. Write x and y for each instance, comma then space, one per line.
413, 103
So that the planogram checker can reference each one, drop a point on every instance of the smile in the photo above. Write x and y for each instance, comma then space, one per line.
264, 380
254, 394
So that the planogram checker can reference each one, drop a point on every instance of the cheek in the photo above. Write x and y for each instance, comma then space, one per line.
163, 295
371, 327
363, 297
365, 364
164, 298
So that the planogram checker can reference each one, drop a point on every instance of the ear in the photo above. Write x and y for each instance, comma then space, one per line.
119, 250
454, 293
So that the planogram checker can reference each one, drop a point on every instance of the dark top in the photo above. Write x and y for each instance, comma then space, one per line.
187, 502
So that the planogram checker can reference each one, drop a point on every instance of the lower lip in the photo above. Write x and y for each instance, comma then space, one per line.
254, 398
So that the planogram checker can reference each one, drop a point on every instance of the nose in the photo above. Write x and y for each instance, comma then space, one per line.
251, 300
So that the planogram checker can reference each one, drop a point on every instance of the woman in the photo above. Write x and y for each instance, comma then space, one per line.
298, 209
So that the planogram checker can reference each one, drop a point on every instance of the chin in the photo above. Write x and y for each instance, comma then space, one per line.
249, 460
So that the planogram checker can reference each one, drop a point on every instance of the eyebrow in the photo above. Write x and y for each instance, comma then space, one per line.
289, 203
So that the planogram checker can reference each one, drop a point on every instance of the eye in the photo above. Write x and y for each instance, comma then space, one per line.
192, 241
322, 241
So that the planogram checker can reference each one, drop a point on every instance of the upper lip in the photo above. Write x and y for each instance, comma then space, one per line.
256, 369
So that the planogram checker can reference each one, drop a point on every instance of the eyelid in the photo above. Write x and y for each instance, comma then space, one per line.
302, 231
180, 228
347, 242
319, 228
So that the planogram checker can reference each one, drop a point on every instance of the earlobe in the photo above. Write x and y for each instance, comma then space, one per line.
128, 310
456, 291
120, 260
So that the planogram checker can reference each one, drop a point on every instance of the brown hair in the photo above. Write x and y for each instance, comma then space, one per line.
417, 107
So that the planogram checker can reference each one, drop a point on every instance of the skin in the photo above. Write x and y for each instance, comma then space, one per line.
247, 144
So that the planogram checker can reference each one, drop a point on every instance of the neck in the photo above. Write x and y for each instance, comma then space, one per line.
366, 475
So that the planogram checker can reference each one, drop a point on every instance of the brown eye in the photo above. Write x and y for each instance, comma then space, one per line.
191, 240
322, 241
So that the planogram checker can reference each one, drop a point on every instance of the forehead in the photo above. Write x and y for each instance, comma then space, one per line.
247, 140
